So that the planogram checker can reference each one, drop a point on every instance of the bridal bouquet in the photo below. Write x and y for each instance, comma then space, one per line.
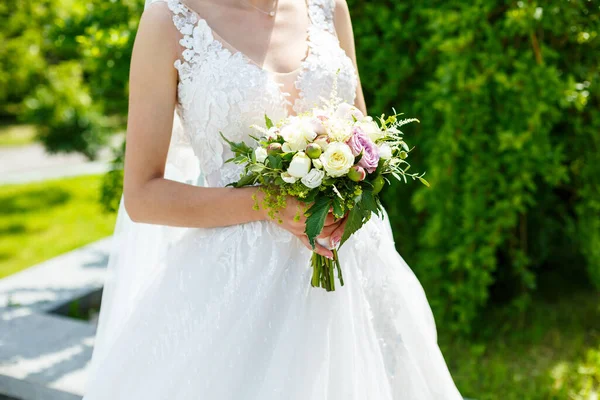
333, 159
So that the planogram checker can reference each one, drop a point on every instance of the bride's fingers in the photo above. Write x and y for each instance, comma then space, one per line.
330, 219
328, 230
318, 248
338, 232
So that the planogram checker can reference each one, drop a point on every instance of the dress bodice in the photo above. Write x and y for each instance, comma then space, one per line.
223, 91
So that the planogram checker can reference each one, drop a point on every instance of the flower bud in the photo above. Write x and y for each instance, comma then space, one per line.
300, 165
313, 150
274, 148
322, 141
357, 173
261, 154
378, 184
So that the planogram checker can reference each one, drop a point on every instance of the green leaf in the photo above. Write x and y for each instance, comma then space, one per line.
246, 180
316, 216
312, 196
368, 202
424, 182
275, 162
238, 149
268, 122
353, 224
338, 210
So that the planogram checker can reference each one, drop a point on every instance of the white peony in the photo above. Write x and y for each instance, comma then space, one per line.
261, 154
347, 111
371, 128
300, 165
298, 133
313, 179
337, 159
385, 151
340, 130
288, 178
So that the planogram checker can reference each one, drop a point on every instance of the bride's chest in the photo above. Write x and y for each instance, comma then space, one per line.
224, 90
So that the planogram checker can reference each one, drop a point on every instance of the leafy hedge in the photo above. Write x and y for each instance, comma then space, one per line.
507, 93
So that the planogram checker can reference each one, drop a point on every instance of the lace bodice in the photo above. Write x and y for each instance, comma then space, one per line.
220, 90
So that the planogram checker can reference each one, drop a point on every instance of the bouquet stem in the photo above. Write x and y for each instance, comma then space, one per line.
323, 271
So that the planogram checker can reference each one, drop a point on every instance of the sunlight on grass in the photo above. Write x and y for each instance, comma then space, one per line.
553, 352
17, 135
41, 220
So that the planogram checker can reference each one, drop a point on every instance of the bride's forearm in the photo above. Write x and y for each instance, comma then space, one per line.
166, 202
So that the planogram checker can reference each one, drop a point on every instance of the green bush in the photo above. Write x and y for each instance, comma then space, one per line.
64, 64
508, 98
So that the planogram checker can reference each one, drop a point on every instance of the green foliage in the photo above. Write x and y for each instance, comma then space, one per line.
507, 95
64, 64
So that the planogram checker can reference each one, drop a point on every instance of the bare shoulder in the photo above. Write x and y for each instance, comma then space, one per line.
341, 9
157, 35
341, 16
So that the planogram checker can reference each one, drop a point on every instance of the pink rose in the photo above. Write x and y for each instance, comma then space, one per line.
360, 142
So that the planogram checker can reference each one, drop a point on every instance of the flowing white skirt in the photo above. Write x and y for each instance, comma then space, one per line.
231, 315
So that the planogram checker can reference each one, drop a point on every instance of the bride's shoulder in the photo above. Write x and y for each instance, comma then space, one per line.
159, 16
340, 8
157, 37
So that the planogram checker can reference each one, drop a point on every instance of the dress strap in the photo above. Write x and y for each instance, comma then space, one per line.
321, 14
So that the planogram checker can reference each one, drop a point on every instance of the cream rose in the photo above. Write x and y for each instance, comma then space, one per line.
300, 165
313, 179
337, 159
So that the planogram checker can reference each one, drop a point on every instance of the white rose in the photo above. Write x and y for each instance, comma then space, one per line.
385, 151
313, 179
288, 178
300, 165
286, 148
371, 128
261, 154
337, 159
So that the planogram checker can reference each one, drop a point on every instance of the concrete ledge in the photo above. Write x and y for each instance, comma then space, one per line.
44, 356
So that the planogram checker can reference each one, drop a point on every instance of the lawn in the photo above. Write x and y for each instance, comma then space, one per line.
17, 134
551, 352
41, 220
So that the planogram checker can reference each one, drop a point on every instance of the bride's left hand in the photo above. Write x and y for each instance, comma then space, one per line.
333, 230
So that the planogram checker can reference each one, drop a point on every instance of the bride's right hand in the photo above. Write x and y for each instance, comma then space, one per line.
297, 226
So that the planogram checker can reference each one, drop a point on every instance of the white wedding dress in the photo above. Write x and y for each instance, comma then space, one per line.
229, 313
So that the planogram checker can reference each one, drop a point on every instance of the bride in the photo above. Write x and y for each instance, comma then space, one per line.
207, 298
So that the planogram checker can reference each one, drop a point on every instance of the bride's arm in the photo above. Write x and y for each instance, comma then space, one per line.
343, 27
149, 197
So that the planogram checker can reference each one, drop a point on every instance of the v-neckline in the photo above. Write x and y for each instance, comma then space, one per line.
232, 51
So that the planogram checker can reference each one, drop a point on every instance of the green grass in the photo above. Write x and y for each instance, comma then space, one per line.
39, 221
17, 134
550, 352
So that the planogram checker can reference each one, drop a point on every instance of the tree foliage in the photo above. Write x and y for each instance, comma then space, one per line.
507, 93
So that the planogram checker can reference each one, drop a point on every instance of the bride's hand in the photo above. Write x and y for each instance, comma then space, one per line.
333, 228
